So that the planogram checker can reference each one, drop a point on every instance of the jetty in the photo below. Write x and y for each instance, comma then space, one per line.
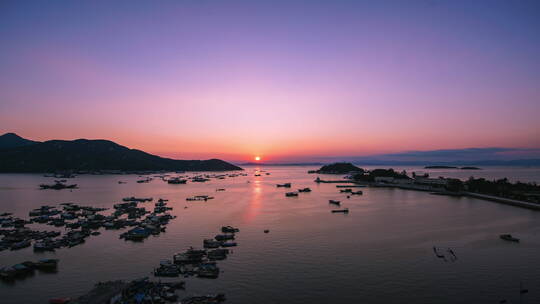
503, 200
342, 181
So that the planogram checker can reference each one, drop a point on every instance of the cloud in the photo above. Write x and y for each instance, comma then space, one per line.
492, 155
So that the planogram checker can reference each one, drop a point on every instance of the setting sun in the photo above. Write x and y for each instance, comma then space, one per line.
257, 158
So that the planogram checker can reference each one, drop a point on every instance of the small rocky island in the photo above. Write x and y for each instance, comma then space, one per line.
440, 167
338, 168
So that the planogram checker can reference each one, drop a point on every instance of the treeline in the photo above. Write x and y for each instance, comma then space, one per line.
369, 176
501, 187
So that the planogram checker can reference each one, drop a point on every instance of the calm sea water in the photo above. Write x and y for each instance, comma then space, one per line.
381, 252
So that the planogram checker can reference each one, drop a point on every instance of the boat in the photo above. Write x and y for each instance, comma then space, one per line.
229, 244
177, 181
304, 190
346, 210
441, 256
286, 185
229, 229
208, 270
333, 202
224, 237
290, 194
146, 180
47, 264
346, 190
20, 245
357, 193
211, 243
58, 186
509, 237
351, 186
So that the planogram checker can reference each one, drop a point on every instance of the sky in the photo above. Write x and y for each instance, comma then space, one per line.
283, 80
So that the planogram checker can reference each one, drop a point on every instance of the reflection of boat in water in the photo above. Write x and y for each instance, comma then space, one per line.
509, 237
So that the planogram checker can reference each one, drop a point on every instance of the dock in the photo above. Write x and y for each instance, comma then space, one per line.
503, 200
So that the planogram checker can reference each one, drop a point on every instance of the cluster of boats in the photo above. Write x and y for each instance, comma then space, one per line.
200, 262
351, 192
82, 222
153, 224
293, 194
137, 291
58, 185
24, 269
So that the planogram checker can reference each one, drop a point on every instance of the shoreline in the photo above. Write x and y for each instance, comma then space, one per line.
497, 199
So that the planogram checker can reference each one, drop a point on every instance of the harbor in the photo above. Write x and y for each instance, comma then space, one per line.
383, 219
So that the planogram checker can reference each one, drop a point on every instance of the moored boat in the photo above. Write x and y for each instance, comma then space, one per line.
509, 237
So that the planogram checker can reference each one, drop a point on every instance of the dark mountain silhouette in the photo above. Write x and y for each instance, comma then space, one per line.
95, 155
12, 140
339, 168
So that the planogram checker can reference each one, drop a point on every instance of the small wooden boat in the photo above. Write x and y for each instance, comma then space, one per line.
333, 202
441, 256
286, 185
346, 210
509, 237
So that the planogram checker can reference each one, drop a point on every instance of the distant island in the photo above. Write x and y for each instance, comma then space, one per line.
451, 167
440, 167
19, 155
338, 168
280, 164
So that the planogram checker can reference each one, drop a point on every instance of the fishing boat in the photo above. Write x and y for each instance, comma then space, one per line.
58, 186
333, 202
286, 185
346, 210
509, 237
176, 181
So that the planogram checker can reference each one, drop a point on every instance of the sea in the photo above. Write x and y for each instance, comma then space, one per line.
380, 252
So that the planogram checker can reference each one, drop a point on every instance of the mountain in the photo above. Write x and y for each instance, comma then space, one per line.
339, 168
95, 155
12, 140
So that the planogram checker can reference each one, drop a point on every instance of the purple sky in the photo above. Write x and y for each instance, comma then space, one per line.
283, 80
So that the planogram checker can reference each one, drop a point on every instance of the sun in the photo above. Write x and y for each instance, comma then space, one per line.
257, 158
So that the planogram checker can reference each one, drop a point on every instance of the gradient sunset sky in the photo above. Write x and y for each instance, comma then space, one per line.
285, 80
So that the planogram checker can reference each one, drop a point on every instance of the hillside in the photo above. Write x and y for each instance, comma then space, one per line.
12, 140
95, 155
339, 168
